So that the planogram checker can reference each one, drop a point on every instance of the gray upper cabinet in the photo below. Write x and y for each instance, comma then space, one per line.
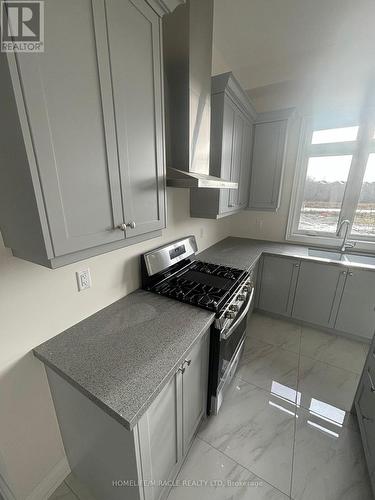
278, 283
318, 293
84, 152
268, 159
356, 313
135, 58
232, 117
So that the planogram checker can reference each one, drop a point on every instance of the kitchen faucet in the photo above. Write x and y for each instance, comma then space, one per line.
345, 243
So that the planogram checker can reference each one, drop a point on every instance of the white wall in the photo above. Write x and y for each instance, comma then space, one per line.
36, 304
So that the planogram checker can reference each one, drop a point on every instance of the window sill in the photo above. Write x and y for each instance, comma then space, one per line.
327, 242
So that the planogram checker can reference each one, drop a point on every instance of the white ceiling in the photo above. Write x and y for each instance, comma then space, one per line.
271, 41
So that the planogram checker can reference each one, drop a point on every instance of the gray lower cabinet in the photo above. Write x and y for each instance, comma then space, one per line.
278, 283
268, 159
194, 391
232, 117
364, 405
356, 313
115, 463
328, 295
318, 292
82, 153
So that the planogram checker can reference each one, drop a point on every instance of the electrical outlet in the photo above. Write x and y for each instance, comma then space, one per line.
83, 279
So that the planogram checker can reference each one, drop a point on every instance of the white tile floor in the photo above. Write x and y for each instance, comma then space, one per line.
284, 430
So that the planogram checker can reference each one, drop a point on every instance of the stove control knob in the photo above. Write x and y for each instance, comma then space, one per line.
241, 297
229, 314
233, 308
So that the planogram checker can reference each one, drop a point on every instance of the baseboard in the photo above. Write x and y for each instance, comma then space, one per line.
48, 485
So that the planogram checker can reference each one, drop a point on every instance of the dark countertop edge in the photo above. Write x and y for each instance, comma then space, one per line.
128, 424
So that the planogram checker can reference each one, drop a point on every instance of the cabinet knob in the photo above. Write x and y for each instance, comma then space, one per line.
296, 265
344, 273
188, 362
350, 274
124, 225
181, 369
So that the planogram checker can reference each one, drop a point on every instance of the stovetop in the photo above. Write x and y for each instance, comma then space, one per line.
203, 284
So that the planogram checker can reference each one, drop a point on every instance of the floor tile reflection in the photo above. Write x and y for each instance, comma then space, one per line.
209, 474
256, 429
328, 461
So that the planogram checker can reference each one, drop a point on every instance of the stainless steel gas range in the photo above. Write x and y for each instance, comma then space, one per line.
174, 271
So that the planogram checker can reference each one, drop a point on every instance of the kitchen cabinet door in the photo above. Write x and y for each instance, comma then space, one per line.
135, 60
232, 117
356, 313
318, 292
268, 158
244, 180
66, 96
194, 390
365, 409
160, 432
278, 282
237, 153
228, 168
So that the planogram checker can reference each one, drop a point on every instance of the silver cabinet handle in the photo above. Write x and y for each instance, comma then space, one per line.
188, 362
181, 369
296, 265
372, 386
124, 225
350, 274
344, 273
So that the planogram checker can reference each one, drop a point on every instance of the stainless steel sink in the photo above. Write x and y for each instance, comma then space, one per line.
325, 254
368, 260
348, 258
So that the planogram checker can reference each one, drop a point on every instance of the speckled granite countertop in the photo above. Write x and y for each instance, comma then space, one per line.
122, 356
244, 253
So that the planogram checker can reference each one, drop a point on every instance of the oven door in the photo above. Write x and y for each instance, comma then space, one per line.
227, 350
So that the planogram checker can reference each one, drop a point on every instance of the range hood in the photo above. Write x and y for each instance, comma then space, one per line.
187, 42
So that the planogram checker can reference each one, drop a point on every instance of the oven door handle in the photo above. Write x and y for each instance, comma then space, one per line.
227, 333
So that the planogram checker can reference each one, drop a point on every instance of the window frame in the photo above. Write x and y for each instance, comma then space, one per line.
359, 149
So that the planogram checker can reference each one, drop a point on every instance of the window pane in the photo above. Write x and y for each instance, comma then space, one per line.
343, 134
323, 194
364, 220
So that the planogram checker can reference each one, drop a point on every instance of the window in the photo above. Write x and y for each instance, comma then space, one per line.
335, 181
